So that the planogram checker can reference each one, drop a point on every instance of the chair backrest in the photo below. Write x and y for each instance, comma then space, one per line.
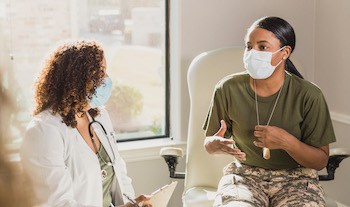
202, 169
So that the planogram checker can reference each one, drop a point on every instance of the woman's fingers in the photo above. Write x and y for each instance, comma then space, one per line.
258, 133
258, 144
222, 129
142, 197
233, 151
219, 145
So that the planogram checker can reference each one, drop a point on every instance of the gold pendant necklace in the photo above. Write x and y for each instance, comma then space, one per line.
266, 151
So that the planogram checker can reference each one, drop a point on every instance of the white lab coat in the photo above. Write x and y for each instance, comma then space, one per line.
63, 169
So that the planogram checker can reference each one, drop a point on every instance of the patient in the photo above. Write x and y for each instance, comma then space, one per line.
269, 108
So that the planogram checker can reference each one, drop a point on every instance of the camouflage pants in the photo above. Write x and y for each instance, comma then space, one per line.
257, 187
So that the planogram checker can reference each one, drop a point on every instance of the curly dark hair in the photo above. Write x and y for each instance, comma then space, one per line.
69, 79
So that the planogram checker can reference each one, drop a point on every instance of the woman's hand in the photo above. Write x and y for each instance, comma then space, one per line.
140, 199
217, 144
270, 137
276, 138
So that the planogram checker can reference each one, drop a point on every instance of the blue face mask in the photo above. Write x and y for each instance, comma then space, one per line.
102, 93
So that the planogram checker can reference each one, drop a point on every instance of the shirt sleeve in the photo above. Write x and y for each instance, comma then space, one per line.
217, 112
317, 128
42, 156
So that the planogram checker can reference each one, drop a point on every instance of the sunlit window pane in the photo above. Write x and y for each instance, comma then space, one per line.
133, 35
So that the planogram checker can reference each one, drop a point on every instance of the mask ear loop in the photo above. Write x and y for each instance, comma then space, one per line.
278, 64
280, 49
282, 58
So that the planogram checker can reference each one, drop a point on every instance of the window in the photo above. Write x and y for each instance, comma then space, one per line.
134, 36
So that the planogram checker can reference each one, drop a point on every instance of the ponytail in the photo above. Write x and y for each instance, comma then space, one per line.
292, 69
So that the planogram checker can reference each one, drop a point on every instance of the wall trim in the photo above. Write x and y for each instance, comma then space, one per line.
340, 117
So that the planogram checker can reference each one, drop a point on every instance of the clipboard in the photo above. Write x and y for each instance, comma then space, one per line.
161, 197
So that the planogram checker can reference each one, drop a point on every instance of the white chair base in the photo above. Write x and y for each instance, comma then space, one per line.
199, 197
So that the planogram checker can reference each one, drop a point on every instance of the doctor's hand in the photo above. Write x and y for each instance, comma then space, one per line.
140, 199
217, 144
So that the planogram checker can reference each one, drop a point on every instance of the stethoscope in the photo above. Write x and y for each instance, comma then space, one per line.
112, 162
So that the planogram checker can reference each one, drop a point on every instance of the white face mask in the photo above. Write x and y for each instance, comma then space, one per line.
258, 63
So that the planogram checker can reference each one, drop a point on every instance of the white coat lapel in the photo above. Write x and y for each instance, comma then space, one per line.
110, 145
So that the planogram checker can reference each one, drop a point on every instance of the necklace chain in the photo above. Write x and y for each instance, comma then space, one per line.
274, 106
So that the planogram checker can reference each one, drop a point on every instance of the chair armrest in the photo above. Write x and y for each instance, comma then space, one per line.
336, 155
171, 155
171, 151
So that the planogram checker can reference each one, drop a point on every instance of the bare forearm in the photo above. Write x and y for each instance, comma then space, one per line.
306, 155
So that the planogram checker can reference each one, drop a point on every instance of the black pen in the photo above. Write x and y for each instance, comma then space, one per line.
131, 200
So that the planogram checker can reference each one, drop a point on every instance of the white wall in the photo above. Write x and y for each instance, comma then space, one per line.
202, 25
332, 74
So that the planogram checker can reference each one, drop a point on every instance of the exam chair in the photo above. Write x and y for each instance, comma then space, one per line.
203, 171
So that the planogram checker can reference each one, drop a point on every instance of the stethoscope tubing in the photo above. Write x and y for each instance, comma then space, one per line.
112, 162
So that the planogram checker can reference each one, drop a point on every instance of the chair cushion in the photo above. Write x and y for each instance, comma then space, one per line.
199, 197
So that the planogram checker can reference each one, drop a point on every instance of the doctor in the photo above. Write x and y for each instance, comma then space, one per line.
69, 151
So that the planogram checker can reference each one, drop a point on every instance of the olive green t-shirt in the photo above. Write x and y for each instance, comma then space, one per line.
107, 176
301, 110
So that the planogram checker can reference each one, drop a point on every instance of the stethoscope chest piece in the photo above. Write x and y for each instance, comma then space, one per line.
104, 174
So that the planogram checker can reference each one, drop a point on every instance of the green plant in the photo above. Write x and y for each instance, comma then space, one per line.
125, 103
156, 126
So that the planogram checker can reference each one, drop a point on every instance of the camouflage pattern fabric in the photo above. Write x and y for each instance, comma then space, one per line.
248, 186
